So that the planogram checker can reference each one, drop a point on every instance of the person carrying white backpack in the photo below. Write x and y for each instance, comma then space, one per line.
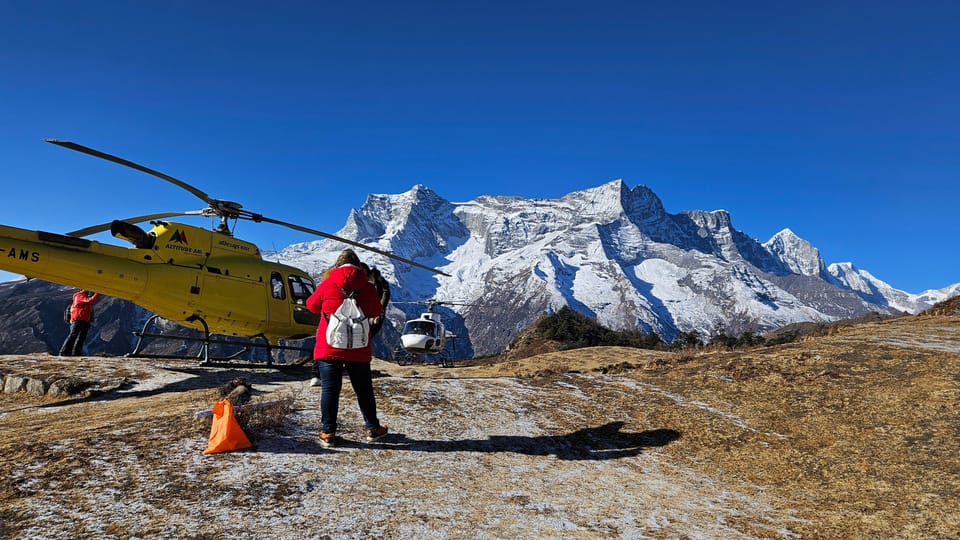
346, 279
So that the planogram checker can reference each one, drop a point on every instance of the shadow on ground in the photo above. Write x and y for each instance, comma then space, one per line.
596, 443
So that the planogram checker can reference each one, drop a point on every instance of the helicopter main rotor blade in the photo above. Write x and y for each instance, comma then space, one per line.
224, 209
106, 226
257, 217
103, 155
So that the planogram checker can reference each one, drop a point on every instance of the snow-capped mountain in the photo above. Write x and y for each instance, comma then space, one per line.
874, 290
611, 252
799, 255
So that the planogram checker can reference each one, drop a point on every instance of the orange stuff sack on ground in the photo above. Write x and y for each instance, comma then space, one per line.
225, 433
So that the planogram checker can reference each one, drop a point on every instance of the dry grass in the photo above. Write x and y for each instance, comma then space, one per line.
851, 435
255, 415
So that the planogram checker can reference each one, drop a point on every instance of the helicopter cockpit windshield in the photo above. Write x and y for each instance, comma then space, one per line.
422, 328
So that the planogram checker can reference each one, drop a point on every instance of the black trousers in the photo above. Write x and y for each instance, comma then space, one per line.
73, 346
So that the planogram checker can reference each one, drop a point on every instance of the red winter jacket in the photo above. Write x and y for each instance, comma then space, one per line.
328, 297
82, 307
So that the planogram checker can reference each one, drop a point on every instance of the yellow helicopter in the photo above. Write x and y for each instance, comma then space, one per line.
425, 335
198, 278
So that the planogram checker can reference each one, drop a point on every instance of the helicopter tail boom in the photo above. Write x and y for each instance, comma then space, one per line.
71, 261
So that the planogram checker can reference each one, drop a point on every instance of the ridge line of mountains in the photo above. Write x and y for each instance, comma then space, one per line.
610, 252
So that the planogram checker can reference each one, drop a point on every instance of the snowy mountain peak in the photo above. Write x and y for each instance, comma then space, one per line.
420, 194
611, 252
418, 222
716, 221
642, 204
786, 235
842, 267
872, 289
613, 201
855, 279
799, 255
387, 208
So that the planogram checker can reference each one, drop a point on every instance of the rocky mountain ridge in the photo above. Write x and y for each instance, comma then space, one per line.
611, 252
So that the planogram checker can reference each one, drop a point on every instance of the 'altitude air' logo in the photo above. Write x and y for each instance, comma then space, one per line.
178, 242
179, 237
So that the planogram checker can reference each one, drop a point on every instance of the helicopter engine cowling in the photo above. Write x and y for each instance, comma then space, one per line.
132, 233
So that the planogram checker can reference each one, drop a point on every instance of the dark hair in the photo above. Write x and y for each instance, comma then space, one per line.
347, 256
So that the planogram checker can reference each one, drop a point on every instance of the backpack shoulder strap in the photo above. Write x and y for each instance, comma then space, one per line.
346, 294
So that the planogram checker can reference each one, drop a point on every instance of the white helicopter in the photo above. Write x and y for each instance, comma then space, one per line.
425, 335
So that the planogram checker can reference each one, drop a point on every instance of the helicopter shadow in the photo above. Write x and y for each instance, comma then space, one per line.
605, 442
608, 441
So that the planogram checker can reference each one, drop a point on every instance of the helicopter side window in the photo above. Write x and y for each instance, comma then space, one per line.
276, 286
300, 289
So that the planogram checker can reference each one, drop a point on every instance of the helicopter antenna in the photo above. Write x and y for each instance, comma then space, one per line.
223, 209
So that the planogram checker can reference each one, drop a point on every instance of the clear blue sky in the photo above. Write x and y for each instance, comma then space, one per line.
839, 120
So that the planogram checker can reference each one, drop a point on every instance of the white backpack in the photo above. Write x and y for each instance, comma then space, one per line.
348, 327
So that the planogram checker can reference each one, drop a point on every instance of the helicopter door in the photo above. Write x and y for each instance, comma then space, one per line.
286, 300
231, 302
277, 299
300, 290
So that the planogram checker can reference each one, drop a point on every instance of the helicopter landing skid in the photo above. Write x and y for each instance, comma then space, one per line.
405, 358
204, 355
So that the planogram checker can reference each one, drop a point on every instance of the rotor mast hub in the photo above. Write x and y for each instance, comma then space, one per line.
225, 210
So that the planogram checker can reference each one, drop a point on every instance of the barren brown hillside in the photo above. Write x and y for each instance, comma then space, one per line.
851, 435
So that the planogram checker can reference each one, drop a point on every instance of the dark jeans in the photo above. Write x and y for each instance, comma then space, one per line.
331, 382
73, 346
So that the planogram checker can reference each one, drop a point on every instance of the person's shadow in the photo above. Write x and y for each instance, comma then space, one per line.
597, 443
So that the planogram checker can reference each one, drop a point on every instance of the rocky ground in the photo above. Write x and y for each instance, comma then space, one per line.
849, 435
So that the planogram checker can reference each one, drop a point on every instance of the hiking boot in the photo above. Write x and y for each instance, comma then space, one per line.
315, 381
376, 433
328, 440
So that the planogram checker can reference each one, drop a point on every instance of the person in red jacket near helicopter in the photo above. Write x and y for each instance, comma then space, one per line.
346, 276
81, 311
